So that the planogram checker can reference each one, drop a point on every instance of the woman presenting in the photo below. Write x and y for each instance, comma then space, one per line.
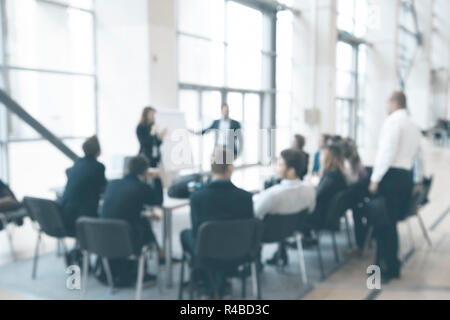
149, 138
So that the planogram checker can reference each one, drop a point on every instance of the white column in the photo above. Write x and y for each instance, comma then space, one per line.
163, 54
314, 75
381, 72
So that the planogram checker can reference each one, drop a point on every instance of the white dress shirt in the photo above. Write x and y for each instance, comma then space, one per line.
288, 197
399, 146
224, 127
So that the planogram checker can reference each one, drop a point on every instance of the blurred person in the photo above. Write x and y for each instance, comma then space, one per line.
8, 203
392, 179
149, 139
299, 144
218, 200
86, 181
324, 140
125, 200
228, 132
332, 181
291, 196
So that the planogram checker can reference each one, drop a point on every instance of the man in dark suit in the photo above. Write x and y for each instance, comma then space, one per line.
228, 132
219, 200
125, 199
85, 182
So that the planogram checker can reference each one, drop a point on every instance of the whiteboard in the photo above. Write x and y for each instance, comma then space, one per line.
176, 150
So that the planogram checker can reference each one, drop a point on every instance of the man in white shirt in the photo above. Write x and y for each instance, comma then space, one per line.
398, 151
291, 196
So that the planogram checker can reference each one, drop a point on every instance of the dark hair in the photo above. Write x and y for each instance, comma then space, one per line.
138, 165
300, 140
144, 116
399, 98
91, 147
221, 159
294, 159
334, 158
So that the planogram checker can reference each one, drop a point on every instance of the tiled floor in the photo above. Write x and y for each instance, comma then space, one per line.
425, 274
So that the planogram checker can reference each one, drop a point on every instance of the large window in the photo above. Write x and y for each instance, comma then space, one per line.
351, 55
409, 40
48, 64
227, 53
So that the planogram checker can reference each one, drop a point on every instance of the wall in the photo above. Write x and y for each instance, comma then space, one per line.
136, 53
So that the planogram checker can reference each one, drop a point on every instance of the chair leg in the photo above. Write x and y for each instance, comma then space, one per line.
347, 228
191, 284
109, 276
213, 284
411, 235
180, 290
319, 256
158, 265
36, 256
301, 258
367, 241
244, 286
424, 230
256, 285
4, 221
85, 273
335, 247
140, 277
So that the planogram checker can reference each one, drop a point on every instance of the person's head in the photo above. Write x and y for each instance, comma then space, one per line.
91, 147
332, 159
222, 163
148, 116
225, 110
324, 139
396, 102
138, 166
299, 142
291, 164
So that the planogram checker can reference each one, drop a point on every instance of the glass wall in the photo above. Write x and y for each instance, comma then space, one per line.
227, 53
48, 50
351, 55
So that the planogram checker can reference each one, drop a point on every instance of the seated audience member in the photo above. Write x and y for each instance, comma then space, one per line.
218, 200
125, 200
331, 183
289, 197
354, 169
85, 182
299, 144
324, 140
8, 202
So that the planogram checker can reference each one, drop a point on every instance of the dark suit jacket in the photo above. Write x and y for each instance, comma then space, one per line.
125, 199
234, 125
85, 182
330, 185
220, 200
146, 142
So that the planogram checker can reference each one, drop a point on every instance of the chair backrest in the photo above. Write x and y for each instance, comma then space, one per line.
108, 238
418, 199
228, 240
338, 206
47, 214
278, 227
